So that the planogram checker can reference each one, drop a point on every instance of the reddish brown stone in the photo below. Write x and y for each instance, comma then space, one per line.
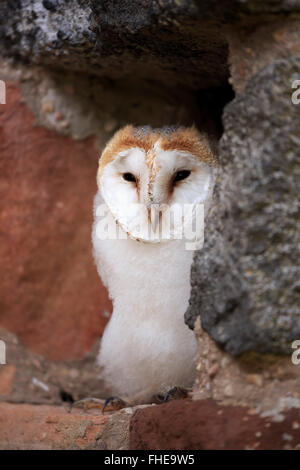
203, 424
246, 54
43, 427
51, 295
7, 373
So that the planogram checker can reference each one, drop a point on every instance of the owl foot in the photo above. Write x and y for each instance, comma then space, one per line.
117, 403
114, 404
176, 393
88, 404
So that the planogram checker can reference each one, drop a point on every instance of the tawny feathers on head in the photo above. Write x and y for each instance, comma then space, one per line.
154, 160
187, 139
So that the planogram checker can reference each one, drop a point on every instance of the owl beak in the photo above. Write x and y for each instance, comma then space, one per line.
149, 215
154, 213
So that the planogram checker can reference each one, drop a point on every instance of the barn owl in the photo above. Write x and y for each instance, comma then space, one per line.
146, 349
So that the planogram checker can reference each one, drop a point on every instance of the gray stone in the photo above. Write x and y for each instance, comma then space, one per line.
170, 42
245, 282
152, 40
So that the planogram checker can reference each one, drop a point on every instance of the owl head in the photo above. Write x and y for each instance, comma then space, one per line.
144, 171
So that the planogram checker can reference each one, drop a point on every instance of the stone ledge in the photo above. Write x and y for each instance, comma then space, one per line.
179, 425
43, 427
206, 425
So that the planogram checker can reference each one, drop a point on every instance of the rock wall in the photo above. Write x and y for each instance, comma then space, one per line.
246, 280
50, 292
75, 72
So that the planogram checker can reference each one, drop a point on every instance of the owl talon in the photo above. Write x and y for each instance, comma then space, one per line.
176, 393
88, 403
113, 404
158, 399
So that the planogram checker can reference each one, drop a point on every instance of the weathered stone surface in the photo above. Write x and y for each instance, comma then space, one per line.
42, 427
80, 105
280, 40
150, 40
115, 434
182, 425
28, 377
171, 42
51, 295
245, 282
204, 425
261, 381
7, 374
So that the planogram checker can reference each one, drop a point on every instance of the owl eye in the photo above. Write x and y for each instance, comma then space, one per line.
129, 177
181, 175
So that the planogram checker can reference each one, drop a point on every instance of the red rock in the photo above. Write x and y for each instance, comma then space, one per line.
51, 295
7, 373
192, 425
42, 427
